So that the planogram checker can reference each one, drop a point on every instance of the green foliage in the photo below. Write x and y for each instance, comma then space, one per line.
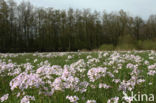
147, 45
126, 42
126, 39
106, 47
126, 47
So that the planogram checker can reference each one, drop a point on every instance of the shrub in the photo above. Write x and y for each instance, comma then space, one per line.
126, 42
126, 47
106, 47
147, 45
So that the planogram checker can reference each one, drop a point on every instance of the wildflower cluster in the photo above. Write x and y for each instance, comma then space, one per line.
86, 79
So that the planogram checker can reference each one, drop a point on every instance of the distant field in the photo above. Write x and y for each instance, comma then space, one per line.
80, 77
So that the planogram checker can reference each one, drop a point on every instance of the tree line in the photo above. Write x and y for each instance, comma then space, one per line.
25, 28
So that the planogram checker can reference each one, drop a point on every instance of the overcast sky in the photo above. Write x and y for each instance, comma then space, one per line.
141, 8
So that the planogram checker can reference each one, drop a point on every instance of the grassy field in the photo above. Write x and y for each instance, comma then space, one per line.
81, 77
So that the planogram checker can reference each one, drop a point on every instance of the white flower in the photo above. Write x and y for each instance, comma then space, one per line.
91, 101
24, 81
72, 99
146, 62
58, 84
151, 58
151, 72
116, 80
27, 99
113, 100
4, 97
70, 57
102, 85
89, 56
35, 60
140, 81
96, 73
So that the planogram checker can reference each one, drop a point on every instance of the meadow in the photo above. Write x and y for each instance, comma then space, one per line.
78, 77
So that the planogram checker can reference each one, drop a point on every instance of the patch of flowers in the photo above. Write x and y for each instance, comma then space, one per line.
85, 80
